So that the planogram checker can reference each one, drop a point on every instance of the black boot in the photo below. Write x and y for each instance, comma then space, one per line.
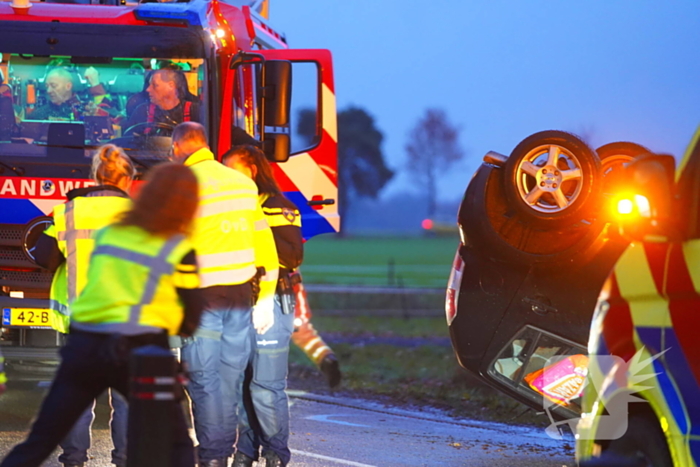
331, 368
241, 460
272, 460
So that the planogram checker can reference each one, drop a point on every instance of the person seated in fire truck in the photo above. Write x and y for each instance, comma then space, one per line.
169, 104
65, 104
135, 100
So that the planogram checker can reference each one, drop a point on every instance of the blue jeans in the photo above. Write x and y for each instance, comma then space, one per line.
216, 358
265, 420
77, 443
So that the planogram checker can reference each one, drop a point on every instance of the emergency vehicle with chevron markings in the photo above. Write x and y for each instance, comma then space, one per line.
647, 320
238, 68
593, 320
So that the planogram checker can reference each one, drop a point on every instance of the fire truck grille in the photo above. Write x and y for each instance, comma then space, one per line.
33, 279
12, 255
11, 232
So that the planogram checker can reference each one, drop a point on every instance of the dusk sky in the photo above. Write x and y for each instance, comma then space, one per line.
606, 70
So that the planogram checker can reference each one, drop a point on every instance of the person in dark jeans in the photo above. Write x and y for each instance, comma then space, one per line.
142, 286
264, 422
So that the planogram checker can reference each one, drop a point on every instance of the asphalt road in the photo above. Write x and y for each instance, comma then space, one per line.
331, 431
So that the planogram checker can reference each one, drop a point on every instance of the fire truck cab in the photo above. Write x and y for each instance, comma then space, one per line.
238, 73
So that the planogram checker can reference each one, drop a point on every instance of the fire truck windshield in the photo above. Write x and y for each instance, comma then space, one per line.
58, 109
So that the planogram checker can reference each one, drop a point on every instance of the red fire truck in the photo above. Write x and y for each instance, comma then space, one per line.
237, 67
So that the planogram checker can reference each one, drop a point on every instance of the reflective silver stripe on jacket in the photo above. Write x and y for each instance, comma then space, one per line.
228, 258
158, 266
55, 305
220, 194
78, 234
227, 205
71, 236
238, 276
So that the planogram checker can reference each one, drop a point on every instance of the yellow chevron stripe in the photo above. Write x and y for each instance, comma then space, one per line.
637, 287
688, 152
330, 120
691, 253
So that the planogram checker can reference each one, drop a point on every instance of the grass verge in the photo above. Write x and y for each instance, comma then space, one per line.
408, 262
414, 375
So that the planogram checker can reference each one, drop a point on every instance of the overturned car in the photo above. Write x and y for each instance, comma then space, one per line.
539, 237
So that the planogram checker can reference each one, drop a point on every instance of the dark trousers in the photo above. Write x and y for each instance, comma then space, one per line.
91, 363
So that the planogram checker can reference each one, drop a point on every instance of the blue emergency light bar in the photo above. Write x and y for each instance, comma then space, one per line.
182, 13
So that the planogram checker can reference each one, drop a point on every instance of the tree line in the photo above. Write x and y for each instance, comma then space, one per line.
432, 147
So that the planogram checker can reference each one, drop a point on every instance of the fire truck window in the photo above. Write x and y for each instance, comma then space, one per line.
305, 114
58, 101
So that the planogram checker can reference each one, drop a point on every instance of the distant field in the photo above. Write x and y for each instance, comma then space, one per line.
417, 262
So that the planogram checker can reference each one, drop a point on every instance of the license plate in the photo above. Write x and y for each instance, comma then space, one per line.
26, 317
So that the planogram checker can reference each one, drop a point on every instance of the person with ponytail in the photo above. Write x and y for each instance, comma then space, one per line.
141, 288
65, 249
265, 420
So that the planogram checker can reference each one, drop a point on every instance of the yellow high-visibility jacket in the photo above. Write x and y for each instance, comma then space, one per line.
231, 236
132, 283
75, 222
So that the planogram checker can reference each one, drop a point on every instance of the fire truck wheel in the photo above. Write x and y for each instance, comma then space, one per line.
612, 157
644, 440
553, 179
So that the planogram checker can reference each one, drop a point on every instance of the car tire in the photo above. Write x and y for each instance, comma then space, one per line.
490, 225
612, 157
643, 439
553, 179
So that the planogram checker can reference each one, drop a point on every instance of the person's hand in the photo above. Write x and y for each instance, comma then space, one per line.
92, 76
263, 317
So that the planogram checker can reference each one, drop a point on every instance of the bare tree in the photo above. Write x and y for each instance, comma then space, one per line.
432, 148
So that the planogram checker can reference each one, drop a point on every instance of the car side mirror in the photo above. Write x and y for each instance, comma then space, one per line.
644, 208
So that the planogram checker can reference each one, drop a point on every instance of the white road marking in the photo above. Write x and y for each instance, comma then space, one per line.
326, 418
327, 458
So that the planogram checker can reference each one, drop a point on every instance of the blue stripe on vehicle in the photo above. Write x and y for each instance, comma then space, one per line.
18, 211
677, 364
651, 338
695, 448
312, 223
602, 346
672, 400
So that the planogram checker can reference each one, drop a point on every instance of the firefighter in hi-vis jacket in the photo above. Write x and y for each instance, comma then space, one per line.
305, 335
